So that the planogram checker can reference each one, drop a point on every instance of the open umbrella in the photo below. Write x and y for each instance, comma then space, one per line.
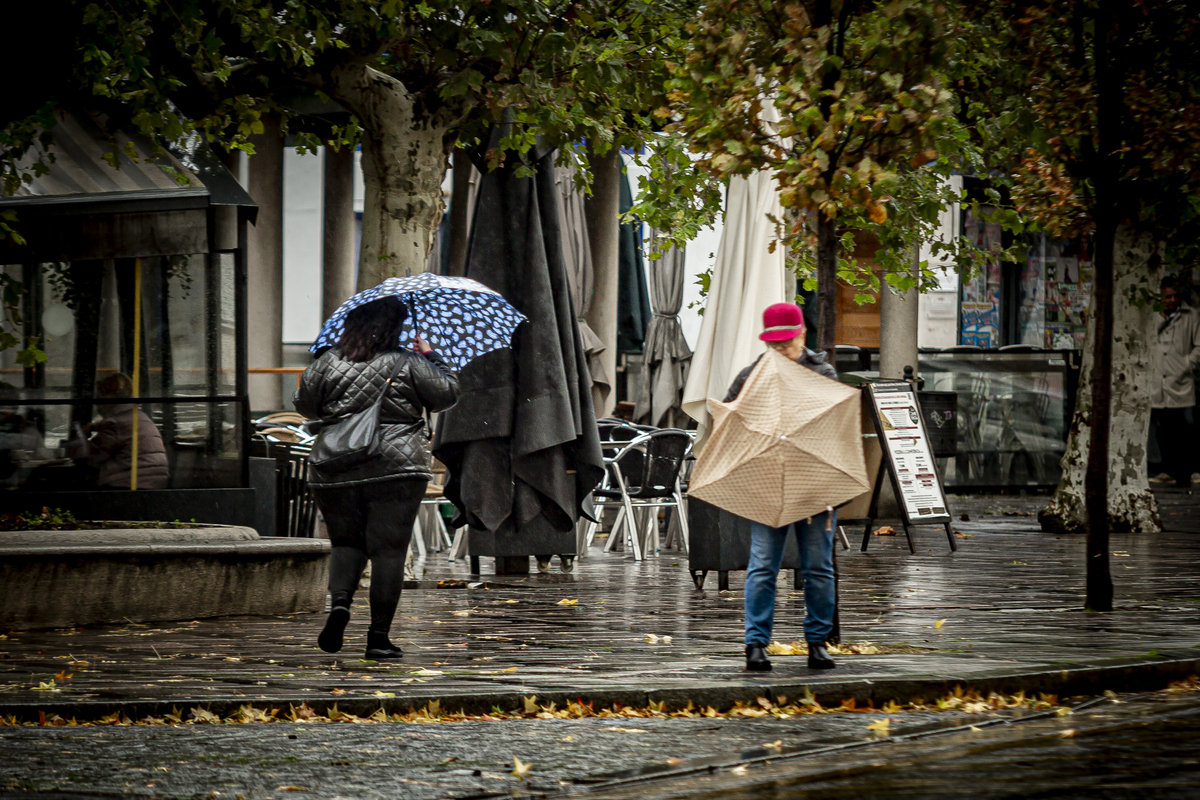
461, 318
789, 446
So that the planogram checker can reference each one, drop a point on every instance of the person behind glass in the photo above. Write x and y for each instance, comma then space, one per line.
783, 331
108, 449
370, 509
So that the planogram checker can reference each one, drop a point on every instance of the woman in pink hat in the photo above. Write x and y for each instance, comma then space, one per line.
783, 331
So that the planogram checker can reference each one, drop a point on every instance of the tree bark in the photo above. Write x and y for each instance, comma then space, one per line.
1095, 480
827, 259
1131, 505
604, 230
403, 163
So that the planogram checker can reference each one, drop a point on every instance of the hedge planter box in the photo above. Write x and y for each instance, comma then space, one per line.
59, 579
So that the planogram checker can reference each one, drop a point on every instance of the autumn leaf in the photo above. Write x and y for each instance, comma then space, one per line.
64, 676
567, 602
880, 726
510, 669
530, 703
461, 613
939, 624
46, 686
739, 770
1068, 734
520, 769
205, 716
385, 694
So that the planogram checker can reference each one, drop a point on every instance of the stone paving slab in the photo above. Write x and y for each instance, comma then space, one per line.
1009, 603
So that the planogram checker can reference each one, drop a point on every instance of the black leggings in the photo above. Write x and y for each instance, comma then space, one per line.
370, 521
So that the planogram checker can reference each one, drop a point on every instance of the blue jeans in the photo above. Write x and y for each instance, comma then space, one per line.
816, 564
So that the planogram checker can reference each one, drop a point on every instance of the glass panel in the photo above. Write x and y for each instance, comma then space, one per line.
43, 448
980, 318
1012, 416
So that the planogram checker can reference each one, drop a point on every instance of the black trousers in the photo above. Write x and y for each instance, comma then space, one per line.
370, 521
1173, 429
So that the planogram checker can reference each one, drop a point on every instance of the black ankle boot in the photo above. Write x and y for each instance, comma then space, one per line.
818, 656
756, 658
380, 647
330, 639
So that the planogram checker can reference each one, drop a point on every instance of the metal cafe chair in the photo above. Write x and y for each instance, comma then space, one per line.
615, 434
656, 459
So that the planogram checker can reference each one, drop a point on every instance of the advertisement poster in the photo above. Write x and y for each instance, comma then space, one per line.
980, 324
907, 445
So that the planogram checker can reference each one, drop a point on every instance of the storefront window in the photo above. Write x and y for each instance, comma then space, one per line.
86, 315
980, 317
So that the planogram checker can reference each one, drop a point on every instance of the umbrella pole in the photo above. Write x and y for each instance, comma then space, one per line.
137, 354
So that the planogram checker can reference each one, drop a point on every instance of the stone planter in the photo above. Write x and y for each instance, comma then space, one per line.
58, 579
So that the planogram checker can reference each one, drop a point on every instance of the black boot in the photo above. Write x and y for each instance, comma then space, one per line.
380, 647
756, 658
818, 656
330, 639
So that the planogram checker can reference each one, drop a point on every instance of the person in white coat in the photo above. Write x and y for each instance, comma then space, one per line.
1172, 387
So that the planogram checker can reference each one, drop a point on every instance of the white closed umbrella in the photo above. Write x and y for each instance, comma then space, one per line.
746, 278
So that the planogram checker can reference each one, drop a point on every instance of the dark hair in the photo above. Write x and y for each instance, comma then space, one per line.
116, 385
373, 328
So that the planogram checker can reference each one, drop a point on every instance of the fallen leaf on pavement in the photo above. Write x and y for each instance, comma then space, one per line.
291, 787
740, 770
567, 602
880, 726
531, 706
461, 613
976, 730
650, 638
520, 769
1068, 734
385, 694
510, 669
673, 761
939, 624
886, 530
337, 691
428, 672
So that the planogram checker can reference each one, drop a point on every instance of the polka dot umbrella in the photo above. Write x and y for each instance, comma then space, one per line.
460, 318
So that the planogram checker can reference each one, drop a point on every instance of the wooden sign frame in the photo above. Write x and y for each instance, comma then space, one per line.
908, 487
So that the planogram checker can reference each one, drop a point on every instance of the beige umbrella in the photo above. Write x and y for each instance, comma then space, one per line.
787, 448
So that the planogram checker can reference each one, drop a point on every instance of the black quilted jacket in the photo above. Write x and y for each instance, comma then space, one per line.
333, 388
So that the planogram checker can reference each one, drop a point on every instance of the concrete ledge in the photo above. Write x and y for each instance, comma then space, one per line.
144, 575
1127, 675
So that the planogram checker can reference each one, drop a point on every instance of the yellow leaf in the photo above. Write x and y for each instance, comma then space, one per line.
520, 768
461, 613
939, 624
567, 602
892, 707
291, 787
510, 669
877, 213
650, 638
385, 694
337, 691
1063, 711
739, 770
567, 739
880, 726
1068, 734
427, 672
530, 704
976, 730
46, 686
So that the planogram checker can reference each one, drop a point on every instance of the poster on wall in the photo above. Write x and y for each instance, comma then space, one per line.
980, 323
1068, 293
909, 459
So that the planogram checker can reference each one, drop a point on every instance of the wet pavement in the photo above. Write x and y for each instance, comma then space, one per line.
1008, 602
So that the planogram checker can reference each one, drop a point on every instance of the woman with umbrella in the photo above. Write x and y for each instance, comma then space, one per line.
783, 331
370, 507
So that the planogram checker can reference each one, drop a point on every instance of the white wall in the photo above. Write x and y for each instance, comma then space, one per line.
938, 313
302, 241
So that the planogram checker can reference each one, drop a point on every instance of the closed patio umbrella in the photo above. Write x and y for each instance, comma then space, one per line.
577, 252
746, 278
667, 354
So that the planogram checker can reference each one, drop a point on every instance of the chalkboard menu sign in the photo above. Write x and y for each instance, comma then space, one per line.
908, 457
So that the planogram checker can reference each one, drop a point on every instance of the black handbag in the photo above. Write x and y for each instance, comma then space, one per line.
353, 441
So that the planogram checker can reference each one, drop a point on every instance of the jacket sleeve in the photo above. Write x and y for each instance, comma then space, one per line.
435, 382
735, 388
106, 439
1193, 356
309, 396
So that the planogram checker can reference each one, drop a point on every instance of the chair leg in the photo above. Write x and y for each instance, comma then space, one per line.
638, 555
614, 532
458, 548
681, 516
418, 536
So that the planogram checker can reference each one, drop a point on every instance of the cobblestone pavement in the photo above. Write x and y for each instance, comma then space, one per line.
396, 760
1010, 598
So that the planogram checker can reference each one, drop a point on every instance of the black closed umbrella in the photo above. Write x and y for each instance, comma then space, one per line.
521, 445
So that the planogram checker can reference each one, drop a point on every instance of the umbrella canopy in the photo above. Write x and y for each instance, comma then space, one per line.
746, 278
789, 446
633, 298
667, 353
521, 445
460, 318
577, 251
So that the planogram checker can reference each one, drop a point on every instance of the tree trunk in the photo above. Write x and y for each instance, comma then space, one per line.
827, 259
403, 163
1095, 476
1131, 505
